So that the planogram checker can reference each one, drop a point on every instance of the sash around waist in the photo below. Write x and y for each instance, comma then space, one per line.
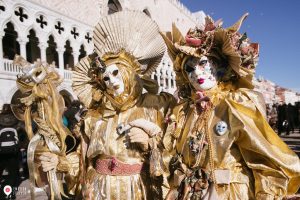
114, 167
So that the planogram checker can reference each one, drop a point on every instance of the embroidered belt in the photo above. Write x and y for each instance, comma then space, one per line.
114, 167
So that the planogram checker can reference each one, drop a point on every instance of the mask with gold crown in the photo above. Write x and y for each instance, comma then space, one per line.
120, 67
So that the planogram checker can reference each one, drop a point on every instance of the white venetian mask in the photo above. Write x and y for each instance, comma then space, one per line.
221, 128
113, 80
200, 73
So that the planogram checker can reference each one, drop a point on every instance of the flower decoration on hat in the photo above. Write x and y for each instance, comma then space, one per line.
235, 57
231, 53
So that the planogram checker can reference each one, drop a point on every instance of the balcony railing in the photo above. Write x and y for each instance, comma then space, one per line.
68, 75
10, 68
164, 74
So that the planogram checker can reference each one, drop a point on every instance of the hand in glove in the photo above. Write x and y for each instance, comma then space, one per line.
137, 135
149, 127
49, 161
140, 132
152, 130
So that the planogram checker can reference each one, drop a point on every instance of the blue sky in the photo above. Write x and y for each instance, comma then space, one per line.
275, 24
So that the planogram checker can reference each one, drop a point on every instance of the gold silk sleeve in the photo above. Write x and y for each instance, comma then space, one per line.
163, 103
275, 167
172, 133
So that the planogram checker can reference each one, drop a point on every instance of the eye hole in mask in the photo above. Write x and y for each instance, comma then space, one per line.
106, 78
115, 72
38, 73
189, 69
203, 62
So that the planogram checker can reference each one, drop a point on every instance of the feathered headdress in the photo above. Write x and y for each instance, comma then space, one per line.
234, 57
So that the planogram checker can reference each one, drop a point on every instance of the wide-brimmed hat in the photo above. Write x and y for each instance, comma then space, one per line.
233, 55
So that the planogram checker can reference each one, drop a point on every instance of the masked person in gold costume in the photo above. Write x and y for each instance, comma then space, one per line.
42, 104
120, 156
220, 142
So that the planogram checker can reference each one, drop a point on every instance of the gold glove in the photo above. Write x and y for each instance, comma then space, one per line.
51, 161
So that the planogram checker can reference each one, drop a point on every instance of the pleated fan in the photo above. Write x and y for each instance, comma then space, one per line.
135, 33
130, 31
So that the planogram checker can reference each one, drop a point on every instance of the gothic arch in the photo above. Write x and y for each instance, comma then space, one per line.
54, 35
14, 23
51, 51
10, 45
33, 51
68, 55
82, 51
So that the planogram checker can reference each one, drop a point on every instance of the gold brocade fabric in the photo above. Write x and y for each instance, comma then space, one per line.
261, 165
104, 142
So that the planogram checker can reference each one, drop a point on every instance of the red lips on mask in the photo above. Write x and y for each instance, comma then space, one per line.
201, 80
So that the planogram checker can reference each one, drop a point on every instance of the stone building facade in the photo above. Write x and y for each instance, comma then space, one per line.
273, 93
267, 89
60, 32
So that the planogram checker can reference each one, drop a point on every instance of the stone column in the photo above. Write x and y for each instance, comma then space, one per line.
43, 47
60, 51
174, 80
1, 52
158, 77
22, 43
76, 57
164, 76
1, 47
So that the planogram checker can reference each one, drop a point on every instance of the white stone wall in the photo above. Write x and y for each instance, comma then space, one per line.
266, 88
165, 12
291, 97
82, 15
33, 10
85, 11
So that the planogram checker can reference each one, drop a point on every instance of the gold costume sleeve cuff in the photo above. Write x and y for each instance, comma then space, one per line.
63, 164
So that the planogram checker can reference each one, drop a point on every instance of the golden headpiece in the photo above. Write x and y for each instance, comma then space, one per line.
35, 73
231, 52
128, 38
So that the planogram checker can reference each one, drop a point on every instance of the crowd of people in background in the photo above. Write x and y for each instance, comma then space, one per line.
284, 118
